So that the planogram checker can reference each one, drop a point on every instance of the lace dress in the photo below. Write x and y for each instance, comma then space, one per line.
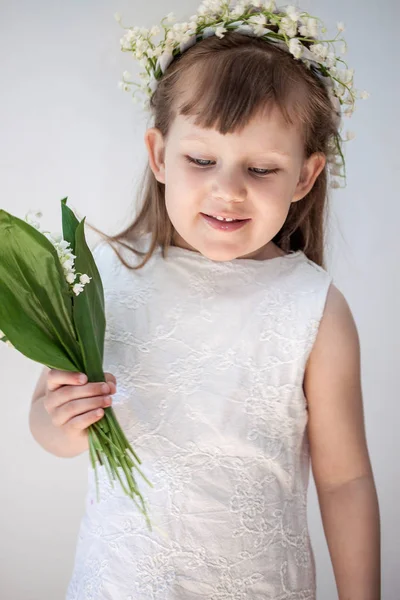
209, 359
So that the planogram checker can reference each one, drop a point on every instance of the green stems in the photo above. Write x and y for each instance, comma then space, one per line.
109, 447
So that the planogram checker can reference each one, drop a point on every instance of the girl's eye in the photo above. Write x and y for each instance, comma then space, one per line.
200, 163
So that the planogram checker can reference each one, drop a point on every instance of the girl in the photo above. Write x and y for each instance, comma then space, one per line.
237, 358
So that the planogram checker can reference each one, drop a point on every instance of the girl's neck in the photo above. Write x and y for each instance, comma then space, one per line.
270, 250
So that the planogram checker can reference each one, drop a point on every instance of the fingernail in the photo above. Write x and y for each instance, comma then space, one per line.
82, 378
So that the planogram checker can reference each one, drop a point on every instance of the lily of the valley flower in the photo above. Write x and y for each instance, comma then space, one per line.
65, 255
296, 48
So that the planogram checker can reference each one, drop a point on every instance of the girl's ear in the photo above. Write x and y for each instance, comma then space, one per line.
312, 167
154, 141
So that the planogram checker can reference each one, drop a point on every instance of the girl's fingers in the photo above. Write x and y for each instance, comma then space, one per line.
68, 393
111, 379
68, 412
57, 378
84, 421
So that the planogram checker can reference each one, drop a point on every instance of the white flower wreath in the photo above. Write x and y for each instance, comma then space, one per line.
217, 17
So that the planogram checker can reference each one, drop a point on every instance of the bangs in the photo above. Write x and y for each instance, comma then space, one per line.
225, 90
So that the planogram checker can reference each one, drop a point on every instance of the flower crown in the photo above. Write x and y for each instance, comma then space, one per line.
297, 33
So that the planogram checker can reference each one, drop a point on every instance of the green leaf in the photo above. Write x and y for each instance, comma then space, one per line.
36, 305
88, 309
69, 224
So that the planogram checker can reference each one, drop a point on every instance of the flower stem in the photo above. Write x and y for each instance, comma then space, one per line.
109, 446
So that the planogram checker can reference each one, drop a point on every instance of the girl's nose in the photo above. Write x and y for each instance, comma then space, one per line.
229, 186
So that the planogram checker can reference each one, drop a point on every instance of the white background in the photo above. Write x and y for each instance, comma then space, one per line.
67, 130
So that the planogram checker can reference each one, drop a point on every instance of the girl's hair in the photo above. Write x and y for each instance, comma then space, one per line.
229, 80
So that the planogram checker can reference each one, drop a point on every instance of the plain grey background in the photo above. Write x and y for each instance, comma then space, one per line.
67, 130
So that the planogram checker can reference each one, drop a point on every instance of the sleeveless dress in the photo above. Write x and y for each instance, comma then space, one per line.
209, 359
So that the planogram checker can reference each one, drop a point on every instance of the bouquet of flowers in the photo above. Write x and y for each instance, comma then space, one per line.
52, 311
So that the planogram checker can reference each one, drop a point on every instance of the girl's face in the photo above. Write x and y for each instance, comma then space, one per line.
255, 174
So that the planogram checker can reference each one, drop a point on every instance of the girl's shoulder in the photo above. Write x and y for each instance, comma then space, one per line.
304, 276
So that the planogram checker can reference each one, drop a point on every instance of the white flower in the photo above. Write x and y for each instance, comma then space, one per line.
117, 17
67, 264
364, 95
64, 245
70, 277
293, 13
348, 75
155, 30
335, 184
340, 91
319, 51
84, 278
126, 75
203, 11
312, 26
330, 60
341, 26
288, 26
2, 334
303, 30
270, 5
219, 32
343, 48
258, 19
142, 45
350, 135
237, 11
77, 289
295, 47
170, 17
259, 30
29, 218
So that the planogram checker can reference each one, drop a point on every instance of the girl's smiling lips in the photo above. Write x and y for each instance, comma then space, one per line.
224, 225
226, 215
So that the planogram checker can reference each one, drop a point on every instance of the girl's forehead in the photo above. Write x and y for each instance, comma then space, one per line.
265, 131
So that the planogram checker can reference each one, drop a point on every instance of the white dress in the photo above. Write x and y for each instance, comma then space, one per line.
209, 359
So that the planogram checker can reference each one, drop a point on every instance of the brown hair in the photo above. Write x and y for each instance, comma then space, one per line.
235, 77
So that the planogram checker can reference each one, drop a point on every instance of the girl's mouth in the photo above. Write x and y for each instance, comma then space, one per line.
224, 225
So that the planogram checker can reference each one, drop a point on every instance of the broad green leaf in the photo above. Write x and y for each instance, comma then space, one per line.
88, 309
88, 306
36, 304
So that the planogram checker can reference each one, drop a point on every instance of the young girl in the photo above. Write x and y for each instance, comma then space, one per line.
237, 359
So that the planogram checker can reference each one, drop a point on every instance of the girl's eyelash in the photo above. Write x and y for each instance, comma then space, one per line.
196, 162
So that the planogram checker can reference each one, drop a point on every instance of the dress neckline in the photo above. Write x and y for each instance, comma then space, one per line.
191, 254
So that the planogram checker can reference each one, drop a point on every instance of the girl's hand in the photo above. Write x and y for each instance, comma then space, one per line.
74, 405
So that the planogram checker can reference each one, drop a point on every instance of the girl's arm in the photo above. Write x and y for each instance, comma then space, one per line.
339, 454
